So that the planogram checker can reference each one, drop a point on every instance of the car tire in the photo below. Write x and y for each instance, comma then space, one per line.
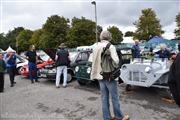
128, 87
81, 82
69, 77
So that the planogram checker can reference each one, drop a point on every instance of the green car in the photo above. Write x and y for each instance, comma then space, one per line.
83, 71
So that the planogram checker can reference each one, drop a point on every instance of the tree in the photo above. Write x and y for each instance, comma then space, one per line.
2, 41
54, 31
36, 38
148, 25
117, 35
82, 32
129, 34
23, 40
177, 31
11, 37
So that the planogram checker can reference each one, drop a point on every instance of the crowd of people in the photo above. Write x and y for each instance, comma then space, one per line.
107, 87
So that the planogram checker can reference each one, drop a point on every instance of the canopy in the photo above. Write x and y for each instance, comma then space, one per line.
156, 40
10, 49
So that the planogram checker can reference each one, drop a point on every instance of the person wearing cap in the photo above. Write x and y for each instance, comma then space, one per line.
136, 50
62, 61
32, 60
2, 70
106, 87
10, 59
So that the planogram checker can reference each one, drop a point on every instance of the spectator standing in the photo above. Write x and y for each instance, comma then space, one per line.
107, 87
10, 59
2, 70
136, 50
173, 80
62, 61
163, 52
32, 60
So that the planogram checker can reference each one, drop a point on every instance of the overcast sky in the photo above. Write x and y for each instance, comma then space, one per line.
32, 14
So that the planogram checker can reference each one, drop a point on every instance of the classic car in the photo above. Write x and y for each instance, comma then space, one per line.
83, 71
43, 60
76, 57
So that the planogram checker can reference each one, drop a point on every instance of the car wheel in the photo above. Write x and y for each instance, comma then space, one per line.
81, 82
128, 87
69, 77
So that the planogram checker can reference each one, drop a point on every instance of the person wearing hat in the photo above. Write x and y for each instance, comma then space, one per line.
32, 60
10, 59
62, 61
107, 87
2, 70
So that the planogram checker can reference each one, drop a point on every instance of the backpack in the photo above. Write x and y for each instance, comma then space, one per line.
110, 70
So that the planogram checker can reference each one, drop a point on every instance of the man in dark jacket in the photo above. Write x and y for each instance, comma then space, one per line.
163, 52
174, 81
136, 50
32, 60
62, 61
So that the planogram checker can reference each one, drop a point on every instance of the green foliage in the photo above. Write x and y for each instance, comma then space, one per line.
54, 31
129, 34
82, 32
148, 25
177, 31
36, 38
2, 41
117, 35
23, 40
11, 37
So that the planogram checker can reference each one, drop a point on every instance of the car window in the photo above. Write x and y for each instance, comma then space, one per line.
83, 56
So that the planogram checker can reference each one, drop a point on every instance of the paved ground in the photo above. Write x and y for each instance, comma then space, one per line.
42, 101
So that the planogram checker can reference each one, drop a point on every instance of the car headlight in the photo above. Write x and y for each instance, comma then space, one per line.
147, 70
89, 70
124, 67
77, 69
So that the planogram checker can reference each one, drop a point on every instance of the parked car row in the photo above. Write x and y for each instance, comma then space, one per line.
79, 68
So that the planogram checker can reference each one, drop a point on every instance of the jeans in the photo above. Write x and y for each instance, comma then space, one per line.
32, 71
61, 69
107, 88
12, 72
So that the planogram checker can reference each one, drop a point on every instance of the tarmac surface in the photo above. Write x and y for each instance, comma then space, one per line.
43, 101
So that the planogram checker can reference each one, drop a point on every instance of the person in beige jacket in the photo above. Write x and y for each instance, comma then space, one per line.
106, 87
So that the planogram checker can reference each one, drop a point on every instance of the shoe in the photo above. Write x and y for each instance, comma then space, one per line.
14, 82
57, 86
32, 82
12, 85
64, 86
2, 91
126, 117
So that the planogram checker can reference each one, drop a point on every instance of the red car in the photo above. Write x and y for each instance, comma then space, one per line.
44, 60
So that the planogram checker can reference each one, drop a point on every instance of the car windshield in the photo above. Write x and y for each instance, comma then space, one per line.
72, 55
43, 55
19, 59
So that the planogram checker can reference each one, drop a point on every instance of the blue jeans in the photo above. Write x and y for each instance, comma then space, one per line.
107, 88
32, 71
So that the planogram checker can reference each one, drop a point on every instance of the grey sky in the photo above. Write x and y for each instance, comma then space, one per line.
32, 14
